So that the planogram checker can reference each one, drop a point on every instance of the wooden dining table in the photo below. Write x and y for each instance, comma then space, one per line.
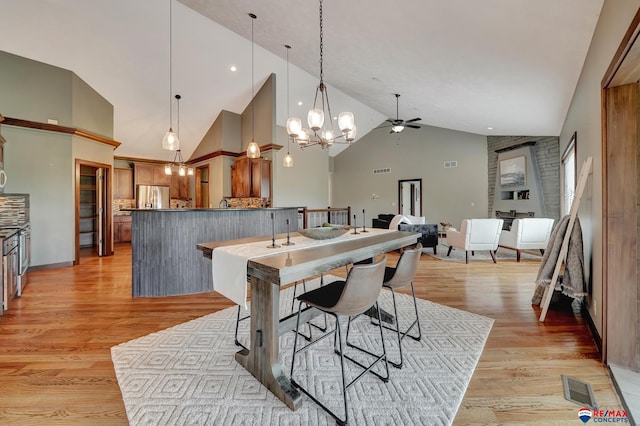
269, 273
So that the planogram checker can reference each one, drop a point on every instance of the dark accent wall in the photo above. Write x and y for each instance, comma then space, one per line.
547, 149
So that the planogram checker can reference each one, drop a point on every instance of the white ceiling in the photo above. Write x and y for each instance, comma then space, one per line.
466, 65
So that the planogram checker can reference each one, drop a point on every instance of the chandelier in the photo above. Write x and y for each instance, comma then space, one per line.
320, 120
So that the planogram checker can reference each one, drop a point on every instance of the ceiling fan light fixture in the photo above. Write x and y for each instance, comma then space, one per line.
397, 128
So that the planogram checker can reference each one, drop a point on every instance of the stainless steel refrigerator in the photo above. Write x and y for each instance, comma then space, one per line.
152, 197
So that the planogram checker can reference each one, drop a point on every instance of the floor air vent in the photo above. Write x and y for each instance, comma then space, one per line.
579, 392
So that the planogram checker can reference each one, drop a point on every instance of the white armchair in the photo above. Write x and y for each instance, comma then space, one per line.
476, 234
527, 234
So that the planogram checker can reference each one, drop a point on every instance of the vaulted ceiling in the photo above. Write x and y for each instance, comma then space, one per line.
500, 67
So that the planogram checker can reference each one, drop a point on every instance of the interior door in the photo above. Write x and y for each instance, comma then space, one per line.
93, 198
100, 222
410, 197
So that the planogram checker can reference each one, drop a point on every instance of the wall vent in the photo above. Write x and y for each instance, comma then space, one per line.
381, 171
450, 164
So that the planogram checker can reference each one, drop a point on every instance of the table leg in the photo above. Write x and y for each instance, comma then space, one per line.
262, 359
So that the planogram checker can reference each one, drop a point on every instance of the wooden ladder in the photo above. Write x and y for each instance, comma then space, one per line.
548, 292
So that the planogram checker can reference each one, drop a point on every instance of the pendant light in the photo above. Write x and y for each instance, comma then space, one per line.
253, 150
178, 161
170, 140
287, 161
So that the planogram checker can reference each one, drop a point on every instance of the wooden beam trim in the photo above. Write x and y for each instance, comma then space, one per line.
59, 129
624, 47
213, 155
218, 153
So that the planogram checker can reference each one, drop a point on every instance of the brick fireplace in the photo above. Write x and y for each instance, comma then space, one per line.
517, 187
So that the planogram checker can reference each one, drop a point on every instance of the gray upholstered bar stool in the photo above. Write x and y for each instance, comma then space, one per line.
349, 298
394, 278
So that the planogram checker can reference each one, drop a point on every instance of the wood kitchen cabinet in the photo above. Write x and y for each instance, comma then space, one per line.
122, 229
151, 174
251, 177
179, 187
123, 184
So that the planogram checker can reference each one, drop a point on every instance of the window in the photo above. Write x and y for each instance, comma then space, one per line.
568, 176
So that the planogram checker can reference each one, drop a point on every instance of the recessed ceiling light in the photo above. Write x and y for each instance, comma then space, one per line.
489, 128
299, 103
233, 68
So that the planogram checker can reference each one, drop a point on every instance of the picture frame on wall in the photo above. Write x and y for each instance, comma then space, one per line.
513, 172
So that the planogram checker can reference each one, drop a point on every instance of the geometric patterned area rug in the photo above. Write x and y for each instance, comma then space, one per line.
503, 254
187, 374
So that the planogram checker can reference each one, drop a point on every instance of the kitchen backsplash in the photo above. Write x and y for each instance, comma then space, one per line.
249, 202
122, 204
14, 209
119, 204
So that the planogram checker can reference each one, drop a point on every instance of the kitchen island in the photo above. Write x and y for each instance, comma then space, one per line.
164, 257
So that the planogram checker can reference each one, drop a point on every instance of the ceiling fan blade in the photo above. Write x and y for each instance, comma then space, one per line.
413, 126
389, 120
412, 120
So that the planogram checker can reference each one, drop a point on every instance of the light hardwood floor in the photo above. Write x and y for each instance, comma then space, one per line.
55, 362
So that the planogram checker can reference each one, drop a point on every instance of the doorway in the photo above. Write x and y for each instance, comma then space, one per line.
410, 197
93, 208
202, 187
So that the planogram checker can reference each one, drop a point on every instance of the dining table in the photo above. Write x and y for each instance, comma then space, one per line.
269, 273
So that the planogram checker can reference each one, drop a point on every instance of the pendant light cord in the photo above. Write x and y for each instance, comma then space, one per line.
253, 106
321, 46
170, 63
288, 99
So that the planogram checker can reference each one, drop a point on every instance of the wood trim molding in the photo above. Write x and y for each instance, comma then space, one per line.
624, 47
2, 140
219, 153
213, 155
8, 121
140, 160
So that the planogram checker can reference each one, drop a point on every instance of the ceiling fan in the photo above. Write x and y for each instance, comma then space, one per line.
398, 124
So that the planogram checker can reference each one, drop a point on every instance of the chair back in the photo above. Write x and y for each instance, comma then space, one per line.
482, 234
361, 289
406, 268
534, 230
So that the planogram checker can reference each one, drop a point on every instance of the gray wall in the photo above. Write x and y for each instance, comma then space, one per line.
448, 194
307, 182
584, 117
42, 164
